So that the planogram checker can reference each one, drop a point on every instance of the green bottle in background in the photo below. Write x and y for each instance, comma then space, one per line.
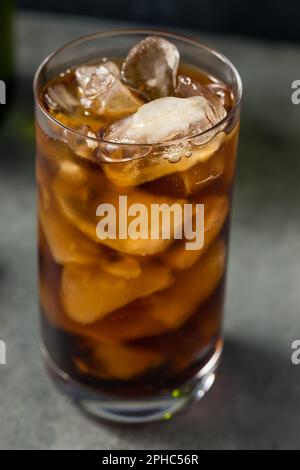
7, 8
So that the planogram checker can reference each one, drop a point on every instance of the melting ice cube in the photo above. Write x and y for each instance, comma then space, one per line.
83, 147
151, 66
103, 93
59, 98
187, 87
166, 119
90, 294
79, 193
109, 360
216, 211
172, 307
89, 76
222, 92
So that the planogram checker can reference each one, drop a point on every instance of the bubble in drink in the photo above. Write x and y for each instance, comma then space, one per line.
103, 93
151, 66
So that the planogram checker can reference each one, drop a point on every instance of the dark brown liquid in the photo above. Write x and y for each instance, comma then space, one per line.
152, 340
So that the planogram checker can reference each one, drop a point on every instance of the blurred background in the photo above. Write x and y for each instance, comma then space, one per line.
264, 19
255, 402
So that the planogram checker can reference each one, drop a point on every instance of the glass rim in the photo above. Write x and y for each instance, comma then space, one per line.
218, 127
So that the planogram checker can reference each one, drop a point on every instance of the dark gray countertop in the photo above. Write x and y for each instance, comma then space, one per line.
255, 402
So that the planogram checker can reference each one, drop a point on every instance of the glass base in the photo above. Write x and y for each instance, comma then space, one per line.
154, 408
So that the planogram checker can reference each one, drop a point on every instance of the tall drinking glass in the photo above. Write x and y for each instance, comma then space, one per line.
131, 285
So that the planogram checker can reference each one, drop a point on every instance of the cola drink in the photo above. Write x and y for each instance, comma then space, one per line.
132, 313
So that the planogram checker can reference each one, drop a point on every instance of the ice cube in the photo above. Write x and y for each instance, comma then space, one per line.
51, 153
151, 66
193, 336
172, 307
89, 77
51, 305
201, 175
79, 193
187, 87
176, 304
165, 120
83, 147
157, 164
57, 144
131, 322
120, 265
222, 93
67, 244
59, 99
103, 93
72, 173
216, 209
90, 294
49, 290
117, 361
76, 120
